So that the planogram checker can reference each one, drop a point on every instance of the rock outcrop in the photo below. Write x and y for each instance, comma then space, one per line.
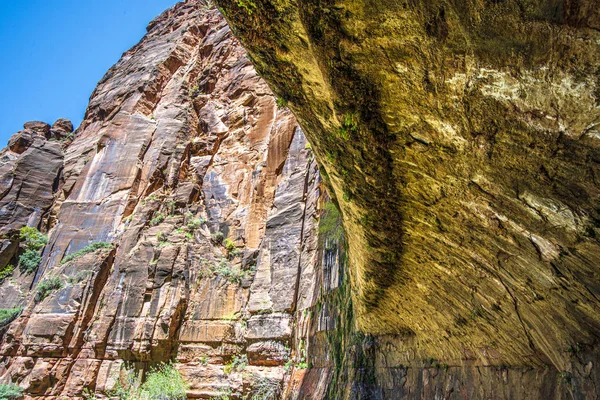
462, 143
445, 245
30, 168
181, 221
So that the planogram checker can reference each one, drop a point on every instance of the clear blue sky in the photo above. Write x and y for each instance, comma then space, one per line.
55, 51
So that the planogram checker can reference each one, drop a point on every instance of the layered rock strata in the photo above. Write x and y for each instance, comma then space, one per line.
188, 221
30, 168
200, 199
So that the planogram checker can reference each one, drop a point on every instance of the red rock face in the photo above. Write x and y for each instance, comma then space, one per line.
214, 243
207, 192
29, 171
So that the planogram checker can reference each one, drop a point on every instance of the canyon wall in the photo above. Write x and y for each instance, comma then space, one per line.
200, 198
443, 246
461, 141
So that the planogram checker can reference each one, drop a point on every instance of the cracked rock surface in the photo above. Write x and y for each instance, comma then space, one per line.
199, 193
461, 141
438, 237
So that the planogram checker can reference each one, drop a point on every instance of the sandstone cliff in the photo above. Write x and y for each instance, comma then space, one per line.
187, 220
181, 221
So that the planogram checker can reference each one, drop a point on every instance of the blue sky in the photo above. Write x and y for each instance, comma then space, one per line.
55, 51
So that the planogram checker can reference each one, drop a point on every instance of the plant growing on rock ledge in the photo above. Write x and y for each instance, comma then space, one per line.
158, 218
88, 249
303, 364
34, 242
281, 102
227, 271
88, 394
237, 363
232, 250
161, 237
10, 391
34, 238
44, 288
29, 261
224, 396
229, 244
6, 271
163, 382
234, 253
195, 223
265, 389
79, 277
217, 237
8, 315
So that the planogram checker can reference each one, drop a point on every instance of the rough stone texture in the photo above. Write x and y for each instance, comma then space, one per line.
460, 147
30, 168
461, 141
186, 165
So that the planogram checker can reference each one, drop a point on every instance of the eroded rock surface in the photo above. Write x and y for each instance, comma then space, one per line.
198, 192
29, 172
461, 141
458, 142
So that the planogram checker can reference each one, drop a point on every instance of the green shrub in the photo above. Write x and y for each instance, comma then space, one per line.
288, 364
8, 315
89, 394
10, 391
195, 223
161, 237
234, 253
226, 271
224, 396
6, 271
33, 238
195, 91
79, 277
303, 364
88, 249
158, 218
34, 242
29, 260
128, 390
163, 383
265, 389
281, 103
170, 205
238, 363
48, 286
229, 244
222, 268
217, 237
